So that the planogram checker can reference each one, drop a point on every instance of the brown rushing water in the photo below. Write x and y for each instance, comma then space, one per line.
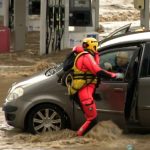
105, 136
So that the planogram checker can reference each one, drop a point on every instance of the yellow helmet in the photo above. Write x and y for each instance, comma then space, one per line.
90, 44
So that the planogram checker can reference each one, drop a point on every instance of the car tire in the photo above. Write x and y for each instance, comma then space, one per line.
44, 118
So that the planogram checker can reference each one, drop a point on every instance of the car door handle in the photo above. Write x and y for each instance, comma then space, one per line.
146, 108
118, 89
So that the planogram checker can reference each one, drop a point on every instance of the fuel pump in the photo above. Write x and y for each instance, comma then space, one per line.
50, 21
83, 15
50, 25
62, 24
55, 24
59, 18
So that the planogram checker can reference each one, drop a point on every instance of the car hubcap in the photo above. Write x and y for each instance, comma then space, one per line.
46, 120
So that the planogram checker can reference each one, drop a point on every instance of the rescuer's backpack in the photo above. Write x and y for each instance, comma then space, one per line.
69, 63
68, 67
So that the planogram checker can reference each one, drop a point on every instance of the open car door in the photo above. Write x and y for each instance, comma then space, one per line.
143, 90
121, 30
113, 93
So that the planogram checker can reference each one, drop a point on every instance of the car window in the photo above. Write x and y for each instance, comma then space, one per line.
117, 61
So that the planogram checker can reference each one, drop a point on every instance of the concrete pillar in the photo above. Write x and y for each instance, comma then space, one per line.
145, 15
6, 12
66, 32
19, 24
96, 14
27, 13
43, 27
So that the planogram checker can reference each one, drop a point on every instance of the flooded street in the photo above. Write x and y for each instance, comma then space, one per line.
105, 135
98, 138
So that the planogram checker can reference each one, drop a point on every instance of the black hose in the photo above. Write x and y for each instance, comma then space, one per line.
56, 26
11, 14
47, 24
49, 18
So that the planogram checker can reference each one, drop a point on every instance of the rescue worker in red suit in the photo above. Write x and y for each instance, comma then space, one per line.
86, 72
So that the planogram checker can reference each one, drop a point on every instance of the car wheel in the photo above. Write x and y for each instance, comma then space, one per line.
44, 118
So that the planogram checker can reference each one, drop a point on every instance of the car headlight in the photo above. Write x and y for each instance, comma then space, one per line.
16, 93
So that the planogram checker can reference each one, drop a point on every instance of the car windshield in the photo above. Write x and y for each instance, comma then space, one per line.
53, 69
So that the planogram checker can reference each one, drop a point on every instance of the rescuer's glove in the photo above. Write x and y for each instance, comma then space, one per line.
119, 75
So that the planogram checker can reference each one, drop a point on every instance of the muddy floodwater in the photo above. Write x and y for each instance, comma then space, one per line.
105, 136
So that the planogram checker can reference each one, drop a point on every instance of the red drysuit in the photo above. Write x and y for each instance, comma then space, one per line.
89, 62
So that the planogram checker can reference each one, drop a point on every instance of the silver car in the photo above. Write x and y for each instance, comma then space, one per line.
40, 103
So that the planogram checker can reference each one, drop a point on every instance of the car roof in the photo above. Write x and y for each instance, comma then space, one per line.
136, 37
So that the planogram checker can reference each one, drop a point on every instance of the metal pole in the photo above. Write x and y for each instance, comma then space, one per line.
6, 12
145, 15
43, 27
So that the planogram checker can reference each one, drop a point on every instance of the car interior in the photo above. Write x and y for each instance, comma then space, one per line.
108, 62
